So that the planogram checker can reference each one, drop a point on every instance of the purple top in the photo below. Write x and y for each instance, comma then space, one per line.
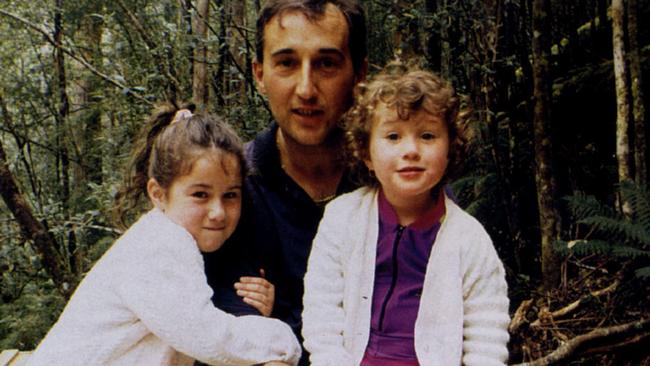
402, 257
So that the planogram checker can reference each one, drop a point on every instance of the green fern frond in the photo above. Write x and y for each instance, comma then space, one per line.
613, 234
582, 206
629, 252
639, 198
583, 247
643, 272
619, 230
475, 207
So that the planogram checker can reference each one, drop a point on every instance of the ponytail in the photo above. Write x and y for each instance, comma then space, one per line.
134, 186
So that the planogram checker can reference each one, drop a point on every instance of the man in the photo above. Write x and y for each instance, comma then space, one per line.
310, 55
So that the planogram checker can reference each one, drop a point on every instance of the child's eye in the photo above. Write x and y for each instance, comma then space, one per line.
428, 136
231, 195
394, 136
200, 194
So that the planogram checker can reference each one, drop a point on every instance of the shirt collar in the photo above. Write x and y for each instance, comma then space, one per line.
435, 214
264, 156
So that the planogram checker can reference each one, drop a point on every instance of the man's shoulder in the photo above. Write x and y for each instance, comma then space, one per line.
261, 145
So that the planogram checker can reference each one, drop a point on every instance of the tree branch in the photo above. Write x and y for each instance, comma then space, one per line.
632, 332
31, 228
574, 305
74, 56
162, 65
520, 316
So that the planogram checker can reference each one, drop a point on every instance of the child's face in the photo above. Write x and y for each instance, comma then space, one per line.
207, 200
409, 157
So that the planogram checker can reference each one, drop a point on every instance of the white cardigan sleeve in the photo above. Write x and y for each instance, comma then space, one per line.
323, 315
485, 304
168, 292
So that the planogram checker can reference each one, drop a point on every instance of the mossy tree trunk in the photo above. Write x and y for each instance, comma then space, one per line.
549, 218
622, 97
200, 91
638, 107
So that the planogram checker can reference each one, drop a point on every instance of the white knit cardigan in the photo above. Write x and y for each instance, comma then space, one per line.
147, 302
463, 314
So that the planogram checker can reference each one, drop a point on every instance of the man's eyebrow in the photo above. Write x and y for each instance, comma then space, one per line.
289, 51
335, 51
283, 51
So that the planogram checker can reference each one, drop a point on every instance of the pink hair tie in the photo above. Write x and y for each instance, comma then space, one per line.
182, 114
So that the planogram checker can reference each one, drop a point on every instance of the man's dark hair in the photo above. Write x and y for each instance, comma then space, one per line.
313, 10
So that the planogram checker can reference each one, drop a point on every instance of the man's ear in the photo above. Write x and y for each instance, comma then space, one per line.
156, 194
258, 73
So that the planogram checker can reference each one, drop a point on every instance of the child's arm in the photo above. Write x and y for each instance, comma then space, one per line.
323, 315
486, 319
257, 292
168, 292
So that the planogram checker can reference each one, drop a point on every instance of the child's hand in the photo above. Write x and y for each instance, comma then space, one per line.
257, 292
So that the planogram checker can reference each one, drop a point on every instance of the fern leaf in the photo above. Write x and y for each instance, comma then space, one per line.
643, 272
639, 198
629, 252
582, 206
618, 230
583, 247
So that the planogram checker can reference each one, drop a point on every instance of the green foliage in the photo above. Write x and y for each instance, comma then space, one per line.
623, 237
26, 319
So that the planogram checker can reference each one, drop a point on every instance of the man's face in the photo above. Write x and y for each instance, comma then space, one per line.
307, 73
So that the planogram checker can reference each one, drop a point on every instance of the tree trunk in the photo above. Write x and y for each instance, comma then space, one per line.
64, 104
61, 118
622, 101
200, 91
638, 112
445, 48
236, 41
91, 121
44, 242
185, 22
432, 30
407, 38
622, 106
544, 175
87, 85
219, 83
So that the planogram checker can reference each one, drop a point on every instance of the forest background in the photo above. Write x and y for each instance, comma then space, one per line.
557, 168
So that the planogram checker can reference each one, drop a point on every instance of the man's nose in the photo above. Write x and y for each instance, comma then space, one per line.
306, 88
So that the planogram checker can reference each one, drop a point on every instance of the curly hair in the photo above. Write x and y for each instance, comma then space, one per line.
407, 89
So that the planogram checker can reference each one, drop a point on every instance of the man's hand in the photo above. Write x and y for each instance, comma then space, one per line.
257, 292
